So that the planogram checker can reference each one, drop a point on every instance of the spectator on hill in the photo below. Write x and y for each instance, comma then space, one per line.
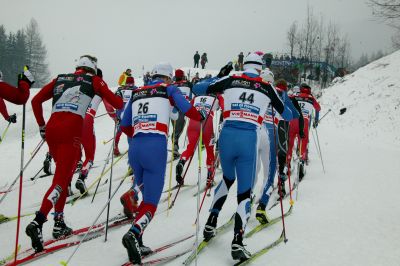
196, 59
204, 60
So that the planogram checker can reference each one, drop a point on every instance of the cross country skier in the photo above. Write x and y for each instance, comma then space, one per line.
72, 95
276, 146
146, 120
17, 95
125, 93
89, 136
210, 103
308, 104
246, 99
186, 89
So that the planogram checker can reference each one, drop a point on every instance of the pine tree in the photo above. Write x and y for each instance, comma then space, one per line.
36, 54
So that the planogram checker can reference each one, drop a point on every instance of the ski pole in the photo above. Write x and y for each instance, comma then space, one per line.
34, 177
190, 160
208, 187
109, 190
298, 170
26, 165
324, 115
95, 221
198, 188
107, 141
170, 167
37, 146
101, 115
21, 172
99, 177
283, 215
102, 172
320, 153
4, 132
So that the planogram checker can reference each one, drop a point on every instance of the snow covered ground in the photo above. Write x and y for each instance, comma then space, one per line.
346, 216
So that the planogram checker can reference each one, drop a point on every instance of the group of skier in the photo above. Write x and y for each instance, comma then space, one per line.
260, 124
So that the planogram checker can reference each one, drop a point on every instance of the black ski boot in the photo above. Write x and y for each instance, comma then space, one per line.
281, 187
210, 229
70, 192
179, 171
261, 214
131, 243
34, 231
144, 250
47, 164
238, 251
80, 184
301, 170
60, 229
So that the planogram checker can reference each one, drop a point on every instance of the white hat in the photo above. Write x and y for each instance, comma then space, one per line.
87, 61
163, 69
1, 76
253, 61
267, 75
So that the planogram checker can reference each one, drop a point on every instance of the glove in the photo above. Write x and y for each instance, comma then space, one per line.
26, 76
225, 70
203, 114
12, 119
174, 114
315, 124
302, 135
42, 131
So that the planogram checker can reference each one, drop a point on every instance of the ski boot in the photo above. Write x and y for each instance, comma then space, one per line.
210, 229
281, 188
261, 214
179, 171
70, 192
238, 251
176, 156
301, 170
34, 231
78, 166
144, 250
80, 185
131, 243
130, 171
129, 201
116, 151
47, 164
60, 229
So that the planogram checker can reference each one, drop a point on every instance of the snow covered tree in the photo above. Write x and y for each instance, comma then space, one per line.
36, 54
388, 11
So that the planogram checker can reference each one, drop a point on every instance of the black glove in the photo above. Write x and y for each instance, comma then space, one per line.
225, 70
12, 119
26, 76
302, 136
42, 130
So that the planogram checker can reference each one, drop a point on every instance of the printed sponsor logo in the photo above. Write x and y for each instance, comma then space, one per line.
66, 106
59, 89
241, 83
245, 107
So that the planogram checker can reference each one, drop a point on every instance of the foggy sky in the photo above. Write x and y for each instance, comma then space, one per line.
131, 33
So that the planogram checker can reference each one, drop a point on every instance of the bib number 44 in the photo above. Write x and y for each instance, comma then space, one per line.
244, 98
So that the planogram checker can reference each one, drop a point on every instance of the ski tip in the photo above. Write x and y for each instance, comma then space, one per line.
63, 263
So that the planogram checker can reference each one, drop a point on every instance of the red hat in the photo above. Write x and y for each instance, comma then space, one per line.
179, 73
130, 81
281, 84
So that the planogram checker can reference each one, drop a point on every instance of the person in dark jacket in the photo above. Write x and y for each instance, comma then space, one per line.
204, 60
196, 59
